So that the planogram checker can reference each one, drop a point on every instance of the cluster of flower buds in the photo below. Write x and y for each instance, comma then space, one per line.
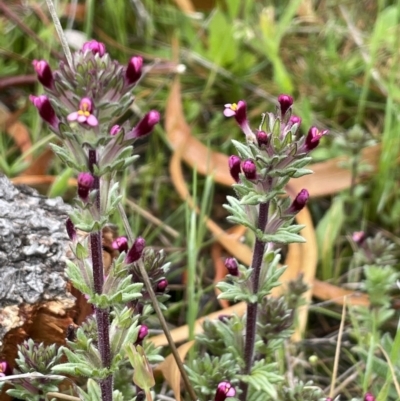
273, 154
83, 99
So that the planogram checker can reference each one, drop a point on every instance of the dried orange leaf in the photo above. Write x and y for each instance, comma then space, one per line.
170, 369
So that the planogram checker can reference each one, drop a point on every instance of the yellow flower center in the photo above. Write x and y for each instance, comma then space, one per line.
234, 106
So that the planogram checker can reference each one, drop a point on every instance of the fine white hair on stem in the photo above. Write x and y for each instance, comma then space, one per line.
60, 31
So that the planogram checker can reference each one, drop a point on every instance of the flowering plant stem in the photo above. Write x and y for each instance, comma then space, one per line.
158, 311
102, 315
251, 322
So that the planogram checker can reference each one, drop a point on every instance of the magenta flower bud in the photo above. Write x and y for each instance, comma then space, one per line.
234, 167
299, 202
239, 111
369, 397
85, 184
162, 285
286, 102
84, 114
249, 169
262, 138
134, 70
136, 251
146, 125
232, 266
115, 130
70, 229
295, 120
120, 244
46, 110
143, 332
44, 74
358, 237
224, 390
313, 137
5, 369
95, 47
224, 318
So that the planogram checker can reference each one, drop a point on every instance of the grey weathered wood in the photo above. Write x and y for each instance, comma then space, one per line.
33, 249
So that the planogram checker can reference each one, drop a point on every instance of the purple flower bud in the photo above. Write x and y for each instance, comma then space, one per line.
239, 111
120, 244
358, 237
115, 130
162, 285
44, 74
95, 47
262, 138
369, 397
70, 229
286, 102
299, 202
143, 332
224, 390
146, 125
313, 137
5, 369
224, 318
234, 167
232, 266
295, 120
46, 110
85, 184
134, 70
136, 251
249, 169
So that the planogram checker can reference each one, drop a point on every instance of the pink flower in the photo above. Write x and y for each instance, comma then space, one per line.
313, 137
95, 47
239, 111
84, 114
224, 390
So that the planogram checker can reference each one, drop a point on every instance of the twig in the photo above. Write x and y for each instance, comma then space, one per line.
60, 31
157, 309
337, 353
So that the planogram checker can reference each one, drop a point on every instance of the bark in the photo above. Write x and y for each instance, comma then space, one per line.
34, 294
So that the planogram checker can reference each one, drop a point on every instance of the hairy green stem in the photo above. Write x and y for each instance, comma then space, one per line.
251, 319
158, 311
102, 315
